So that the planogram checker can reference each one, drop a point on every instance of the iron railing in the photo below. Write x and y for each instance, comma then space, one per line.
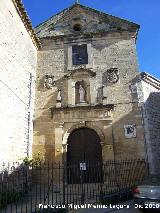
28, 188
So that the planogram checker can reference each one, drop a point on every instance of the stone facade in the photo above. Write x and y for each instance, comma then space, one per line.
148, 89
110, 107
18, 57
118, 103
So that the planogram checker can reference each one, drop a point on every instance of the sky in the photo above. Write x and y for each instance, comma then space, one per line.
146, 13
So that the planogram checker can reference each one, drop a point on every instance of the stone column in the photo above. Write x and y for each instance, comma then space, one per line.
71, 92
93, 92
58, 143
70, 58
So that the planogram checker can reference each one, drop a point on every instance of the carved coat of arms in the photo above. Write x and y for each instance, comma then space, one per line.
110, 76
49, 81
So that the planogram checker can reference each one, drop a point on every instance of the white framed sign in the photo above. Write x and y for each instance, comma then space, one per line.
130, 131
83, 167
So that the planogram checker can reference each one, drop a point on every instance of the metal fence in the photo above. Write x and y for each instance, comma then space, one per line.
27, 188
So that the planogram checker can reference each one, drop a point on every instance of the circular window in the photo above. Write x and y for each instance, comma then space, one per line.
77, 27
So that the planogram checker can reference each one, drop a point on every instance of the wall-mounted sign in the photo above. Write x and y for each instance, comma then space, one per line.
83, 167
130, 131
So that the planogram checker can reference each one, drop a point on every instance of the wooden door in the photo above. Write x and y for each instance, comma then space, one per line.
84, 156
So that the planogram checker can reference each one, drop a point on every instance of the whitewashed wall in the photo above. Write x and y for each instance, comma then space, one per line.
18, 57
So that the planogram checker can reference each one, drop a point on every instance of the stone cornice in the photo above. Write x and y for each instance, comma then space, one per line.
84, 107
26, 21
150, 79
108, 107
71, 37
80, 71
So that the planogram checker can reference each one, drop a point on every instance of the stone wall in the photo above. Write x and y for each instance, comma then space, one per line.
115, 50
18, 57
106, 52
149, 97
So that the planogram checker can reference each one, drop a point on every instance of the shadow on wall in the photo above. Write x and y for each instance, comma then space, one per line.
151, 113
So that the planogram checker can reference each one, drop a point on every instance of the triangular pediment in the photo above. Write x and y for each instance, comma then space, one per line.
79, 19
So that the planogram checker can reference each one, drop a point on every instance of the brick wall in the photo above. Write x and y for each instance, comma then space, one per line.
17, 74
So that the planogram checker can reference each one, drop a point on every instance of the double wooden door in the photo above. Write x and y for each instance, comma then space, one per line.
84, 156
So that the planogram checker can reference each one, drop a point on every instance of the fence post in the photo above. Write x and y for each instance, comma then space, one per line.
64, 180
101, 183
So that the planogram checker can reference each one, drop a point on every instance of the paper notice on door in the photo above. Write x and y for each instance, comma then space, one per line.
83, 167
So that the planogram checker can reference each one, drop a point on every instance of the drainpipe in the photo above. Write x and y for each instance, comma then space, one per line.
29, 114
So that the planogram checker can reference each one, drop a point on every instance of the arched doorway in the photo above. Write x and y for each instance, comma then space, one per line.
84, 156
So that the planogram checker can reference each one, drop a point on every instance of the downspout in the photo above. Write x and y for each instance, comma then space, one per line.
29, 114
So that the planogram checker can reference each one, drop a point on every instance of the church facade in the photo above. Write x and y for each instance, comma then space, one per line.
86, 108
72, 92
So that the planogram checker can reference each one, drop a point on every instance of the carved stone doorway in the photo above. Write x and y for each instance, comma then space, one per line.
84, 156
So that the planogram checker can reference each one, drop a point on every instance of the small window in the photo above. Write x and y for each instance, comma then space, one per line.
79, 54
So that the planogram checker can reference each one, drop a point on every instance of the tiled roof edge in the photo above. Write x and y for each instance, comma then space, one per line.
26, 21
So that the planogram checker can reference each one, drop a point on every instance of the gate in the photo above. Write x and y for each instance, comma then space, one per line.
85, 172
27, 189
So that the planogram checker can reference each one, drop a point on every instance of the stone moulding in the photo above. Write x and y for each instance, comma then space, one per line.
72, 37
108, 107
26, 21
150, 79
81, 125
80, 71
